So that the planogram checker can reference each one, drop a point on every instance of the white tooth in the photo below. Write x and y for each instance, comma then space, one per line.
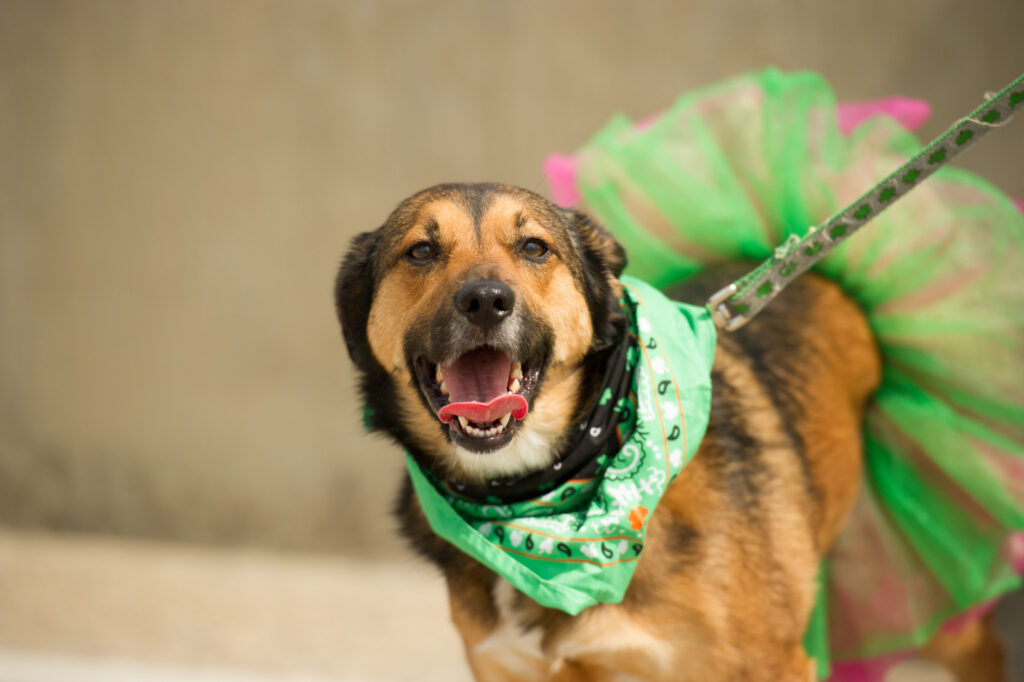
514, 386
473, 431
438, 376
517, 371
505, 418
464, 422
444, 388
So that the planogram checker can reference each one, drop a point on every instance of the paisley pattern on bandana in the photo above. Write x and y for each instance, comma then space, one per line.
577, 544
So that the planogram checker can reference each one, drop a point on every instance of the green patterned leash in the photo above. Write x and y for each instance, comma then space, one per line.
735, 305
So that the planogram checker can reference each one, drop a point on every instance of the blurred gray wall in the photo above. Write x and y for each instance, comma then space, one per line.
179, 179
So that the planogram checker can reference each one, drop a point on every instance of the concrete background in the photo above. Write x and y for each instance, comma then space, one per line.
178, 181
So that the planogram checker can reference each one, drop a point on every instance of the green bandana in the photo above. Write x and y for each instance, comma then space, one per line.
578, 543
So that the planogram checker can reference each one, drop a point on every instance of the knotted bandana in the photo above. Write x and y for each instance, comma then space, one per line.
577, 543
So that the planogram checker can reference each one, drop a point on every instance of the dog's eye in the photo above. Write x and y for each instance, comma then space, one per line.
534, 248
421, 252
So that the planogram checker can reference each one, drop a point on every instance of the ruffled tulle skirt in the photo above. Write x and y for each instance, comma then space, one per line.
728, 173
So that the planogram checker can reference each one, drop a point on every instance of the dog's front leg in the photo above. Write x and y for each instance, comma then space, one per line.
496, 649
972, 652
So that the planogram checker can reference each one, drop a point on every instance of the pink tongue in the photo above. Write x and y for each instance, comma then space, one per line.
478, 388
481, 413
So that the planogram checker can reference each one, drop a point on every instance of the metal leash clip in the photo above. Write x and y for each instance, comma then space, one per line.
720, 313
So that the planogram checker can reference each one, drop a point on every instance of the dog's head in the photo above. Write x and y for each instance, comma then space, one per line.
477, 316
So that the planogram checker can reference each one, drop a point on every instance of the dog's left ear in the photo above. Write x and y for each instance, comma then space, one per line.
603, 262
353, 296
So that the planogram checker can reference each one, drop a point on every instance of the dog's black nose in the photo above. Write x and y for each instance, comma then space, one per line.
485, 302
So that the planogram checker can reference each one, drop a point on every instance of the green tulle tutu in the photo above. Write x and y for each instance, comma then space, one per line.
728, 173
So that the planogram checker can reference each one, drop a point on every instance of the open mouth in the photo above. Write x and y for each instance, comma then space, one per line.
482, 396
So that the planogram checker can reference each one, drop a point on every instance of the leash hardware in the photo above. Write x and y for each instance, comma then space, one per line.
997, 111
720, 313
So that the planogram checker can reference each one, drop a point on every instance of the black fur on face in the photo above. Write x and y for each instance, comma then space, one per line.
603, 260
353, 295
594, 258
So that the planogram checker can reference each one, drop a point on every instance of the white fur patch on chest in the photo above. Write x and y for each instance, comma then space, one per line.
530, 450
596, 637
509, 646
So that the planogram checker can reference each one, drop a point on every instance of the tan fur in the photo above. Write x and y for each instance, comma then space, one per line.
972, 652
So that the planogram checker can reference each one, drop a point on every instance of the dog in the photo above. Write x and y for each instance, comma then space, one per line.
491, 290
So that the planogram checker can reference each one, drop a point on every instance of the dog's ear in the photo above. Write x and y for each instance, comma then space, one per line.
353, 295
599, 244
603, 261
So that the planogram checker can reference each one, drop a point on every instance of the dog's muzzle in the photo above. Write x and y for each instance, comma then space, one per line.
484, 370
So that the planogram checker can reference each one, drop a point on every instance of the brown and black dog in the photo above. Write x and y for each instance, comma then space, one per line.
496, 280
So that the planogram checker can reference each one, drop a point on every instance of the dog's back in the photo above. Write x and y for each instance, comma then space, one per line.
797, 377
